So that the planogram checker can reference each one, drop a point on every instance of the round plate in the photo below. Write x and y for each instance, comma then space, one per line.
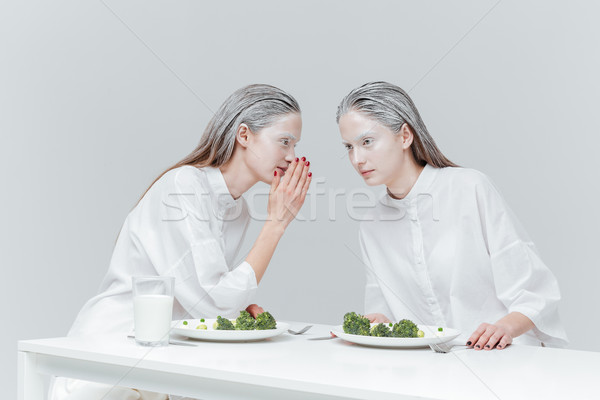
211, 334
407, 343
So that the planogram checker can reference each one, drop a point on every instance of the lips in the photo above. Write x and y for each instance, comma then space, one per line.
282, 169
366, 172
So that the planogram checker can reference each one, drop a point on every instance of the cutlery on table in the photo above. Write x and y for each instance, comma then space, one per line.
445, 347
301, 331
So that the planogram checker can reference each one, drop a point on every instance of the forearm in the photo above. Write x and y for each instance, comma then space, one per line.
516, 324
261, 253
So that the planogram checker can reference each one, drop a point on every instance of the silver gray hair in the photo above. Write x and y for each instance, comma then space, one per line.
392, 107
258, 106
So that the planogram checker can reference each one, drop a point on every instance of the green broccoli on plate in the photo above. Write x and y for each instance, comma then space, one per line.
405, 329
381, 330
245, 322
356, 324
265, 321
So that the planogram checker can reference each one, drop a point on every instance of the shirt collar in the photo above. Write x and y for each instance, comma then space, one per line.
420, 187
219, 189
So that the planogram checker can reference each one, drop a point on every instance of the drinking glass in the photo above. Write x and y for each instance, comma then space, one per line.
152, 309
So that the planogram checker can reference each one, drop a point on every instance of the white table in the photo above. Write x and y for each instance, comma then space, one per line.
292, 367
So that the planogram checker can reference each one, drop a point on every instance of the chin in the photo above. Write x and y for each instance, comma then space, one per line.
267, 179
372, 182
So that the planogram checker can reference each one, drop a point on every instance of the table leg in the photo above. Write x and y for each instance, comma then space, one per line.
30, 381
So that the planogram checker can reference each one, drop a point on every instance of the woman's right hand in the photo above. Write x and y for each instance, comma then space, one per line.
288, 192
377, 318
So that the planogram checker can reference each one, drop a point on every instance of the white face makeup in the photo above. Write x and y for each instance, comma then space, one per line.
272, 148
374, 151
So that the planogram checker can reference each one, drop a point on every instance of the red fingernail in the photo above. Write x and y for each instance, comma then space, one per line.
307, 163
303, 158
309, 174
297, 159
275, 173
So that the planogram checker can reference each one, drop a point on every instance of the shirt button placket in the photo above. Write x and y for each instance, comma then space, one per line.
420, 261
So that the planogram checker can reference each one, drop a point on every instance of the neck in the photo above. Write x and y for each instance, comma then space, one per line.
401, 185
237, 176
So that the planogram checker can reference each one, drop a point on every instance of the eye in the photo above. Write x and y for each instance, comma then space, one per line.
367, 141
285, 142
348, 147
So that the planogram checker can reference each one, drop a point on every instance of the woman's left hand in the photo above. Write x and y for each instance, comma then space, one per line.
500, 334
488, 336
254, 310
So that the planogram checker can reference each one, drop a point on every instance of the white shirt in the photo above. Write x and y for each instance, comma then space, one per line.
187, 226
451, 254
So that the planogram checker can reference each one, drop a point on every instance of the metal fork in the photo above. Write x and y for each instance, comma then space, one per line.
444, 347
301, 331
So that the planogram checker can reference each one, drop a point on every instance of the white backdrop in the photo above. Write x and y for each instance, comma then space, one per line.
98, 97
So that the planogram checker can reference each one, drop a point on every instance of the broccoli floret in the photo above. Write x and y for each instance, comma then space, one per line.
355, 324
381, 330
223, 324
245, 322
265, 321
405, 329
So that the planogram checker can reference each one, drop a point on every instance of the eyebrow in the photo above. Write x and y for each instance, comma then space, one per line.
359, 137
290, 136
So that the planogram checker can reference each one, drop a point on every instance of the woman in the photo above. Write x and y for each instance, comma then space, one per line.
191, 222
441, 247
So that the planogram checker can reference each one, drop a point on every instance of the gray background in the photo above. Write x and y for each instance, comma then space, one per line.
97, 98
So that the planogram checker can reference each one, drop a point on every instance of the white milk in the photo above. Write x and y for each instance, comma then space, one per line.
152, 317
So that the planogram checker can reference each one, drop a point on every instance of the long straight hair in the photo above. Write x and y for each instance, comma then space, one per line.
257, 106
392, 107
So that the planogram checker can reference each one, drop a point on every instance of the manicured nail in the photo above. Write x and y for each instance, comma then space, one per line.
478, 346
309, 174
274, 173
499, 346
469, 343
307, 163
487, 346
297, 159
303, 158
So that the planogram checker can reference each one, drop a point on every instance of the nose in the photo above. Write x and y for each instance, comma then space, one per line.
290, 155
357, 158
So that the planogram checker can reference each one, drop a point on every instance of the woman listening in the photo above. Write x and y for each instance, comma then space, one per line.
441, 247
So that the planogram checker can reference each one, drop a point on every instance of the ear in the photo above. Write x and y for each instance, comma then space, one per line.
407, 135
242, 135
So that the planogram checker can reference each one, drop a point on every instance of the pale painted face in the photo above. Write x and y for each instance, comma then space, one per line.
272, 148
375, 152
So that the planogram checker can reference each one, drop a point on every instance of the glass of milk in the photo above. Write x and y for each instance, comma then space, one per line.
152, 309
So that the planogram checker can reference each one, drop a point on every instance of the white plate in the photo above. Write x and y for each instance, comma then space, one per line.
190, 331
408, 343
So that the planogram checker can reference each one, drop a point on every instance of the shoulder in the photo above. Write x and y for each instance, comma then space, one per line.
175, 183
182, 179
460, 177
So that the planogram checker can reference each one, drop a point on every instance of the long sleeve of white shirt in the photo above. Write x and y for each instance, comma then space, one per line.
451, 254
522, 281
192, 246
